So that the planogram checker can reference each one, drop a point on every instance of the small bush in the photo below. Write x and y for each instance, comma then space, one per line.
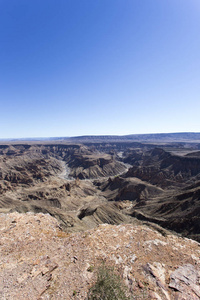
108, 286
90, 269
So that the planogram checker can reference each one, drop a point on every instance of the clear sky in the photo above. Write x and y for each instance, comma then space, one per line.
79, 67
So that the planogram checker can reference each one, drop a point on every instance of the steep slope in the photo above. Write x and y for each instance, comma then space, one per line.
133, 189
162, 168
176, 210
92, 165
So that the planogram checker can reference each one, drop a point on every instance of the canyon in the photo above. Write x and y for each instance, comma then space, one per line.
88, 192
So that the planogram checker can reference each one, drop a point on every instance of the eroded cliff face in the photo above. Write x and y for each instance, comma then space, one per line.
87, 164
163, 168
40, 261
25, 164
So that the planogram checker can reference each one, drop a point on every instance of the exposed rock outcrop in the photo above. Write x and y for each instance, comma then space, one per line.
40, 261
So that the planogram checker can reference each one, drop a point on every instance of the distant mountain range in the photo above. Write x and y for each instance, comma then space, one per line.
152, 137
155, 137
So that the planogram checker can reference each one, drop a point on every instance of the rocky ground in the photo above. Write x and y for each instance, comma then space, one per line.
40, 261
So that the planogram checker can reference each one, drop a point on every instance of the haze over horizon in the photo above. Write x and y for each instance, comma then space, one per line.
72, 68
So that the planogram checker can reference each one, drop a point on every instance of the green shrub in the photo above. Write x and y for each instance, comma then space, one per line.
90, 269
108, 286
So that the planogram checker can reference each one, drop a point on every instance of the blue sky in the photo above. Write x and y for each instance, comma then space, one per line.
79, 67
